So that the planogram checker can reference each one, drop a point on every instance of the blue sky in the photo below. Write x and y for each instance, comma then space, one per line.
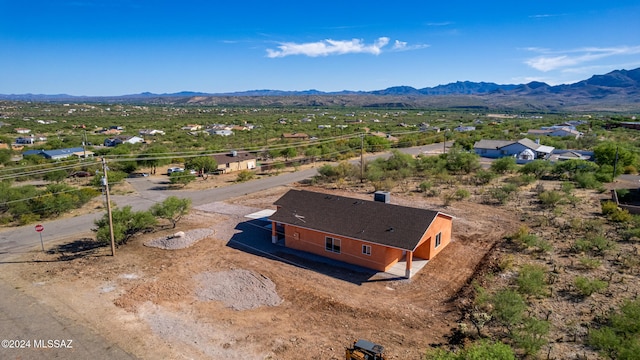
117, 47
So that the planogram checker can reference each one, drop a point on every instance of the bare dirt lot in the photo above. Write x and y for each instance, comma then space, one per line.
215, 299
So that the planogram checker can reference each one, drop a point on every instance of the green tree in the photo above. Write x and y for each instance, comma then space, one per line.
614, 154
181, 178
204, 164
504, 165
288, 153
126, 223
172, 209
154, 156
538, 168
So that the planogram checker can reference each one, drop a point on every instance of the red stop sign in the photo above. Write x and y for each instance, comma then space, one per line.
39, 228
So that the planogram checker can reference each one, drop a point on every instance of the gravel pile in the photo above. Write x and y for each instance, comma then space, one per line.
237, 289
180, 240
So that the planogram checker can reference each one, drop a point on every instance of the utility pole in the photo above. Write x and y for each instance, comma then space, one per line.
84, 145
615, 164
362, 158
105, 182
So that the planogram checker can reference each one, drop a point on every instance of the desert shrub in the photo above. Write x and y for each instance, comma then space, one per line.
567, 187
587, 287
461, 194
531, 336
630, 169
620, 216
477, 351
521, 179
425, 186
508, 307
595, 244
245, 175
483, 177
587, 181
619, 337
550, 198
504, 165
590, 263
531, 280
609, 207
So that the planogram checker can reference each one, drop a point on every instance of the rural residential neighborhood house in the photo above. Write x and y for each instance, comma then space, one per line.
123, 140
235, 161
60, 153
524, 149
371, 234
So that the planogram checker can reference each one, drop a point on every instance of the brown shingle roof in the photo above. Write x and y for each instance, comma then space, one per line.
372, 221
228, 158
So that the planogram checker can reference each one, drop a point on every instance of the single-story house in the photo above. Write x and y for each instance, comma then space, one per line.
464, 128
559, 132
524, 149
235, 161
59, 153
150, 132
22, 130
295, 136
192, 127
223, 132
123, 140
562, 155
371, 234
25, 140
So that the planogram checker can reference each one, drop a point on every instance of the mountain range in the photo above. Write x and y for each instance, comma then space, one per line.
616, 91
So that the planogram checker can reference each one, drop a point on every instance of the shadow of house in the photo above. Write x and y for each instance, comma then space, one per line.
254, 237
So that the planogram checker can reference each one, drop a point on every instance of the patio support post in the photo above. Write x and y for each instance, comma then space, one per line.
274, 235
407, 271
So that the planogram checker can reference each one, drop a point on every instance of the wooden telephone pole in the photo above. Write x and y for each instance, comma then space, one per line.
105, 182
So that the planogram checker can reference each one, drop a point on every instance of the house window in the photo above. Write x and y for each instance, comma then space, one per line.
438, 239
332, 245
366, 249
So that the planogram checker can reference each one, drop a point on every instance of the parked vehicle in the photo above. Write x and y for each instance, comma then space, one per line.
172, 170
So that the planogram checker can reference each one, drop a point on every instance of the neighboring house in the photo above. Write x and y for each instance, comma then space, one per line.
464, 128
562, 155
524, 149
28, 140
192, 127
235, 161
110, 132
371, 234
556, 131
123, 140
295, 136
22, 130
150, 132
221, 132
59, 153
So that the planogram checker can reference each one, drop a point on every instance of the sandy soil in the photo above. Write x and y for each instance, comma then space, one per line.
158, 303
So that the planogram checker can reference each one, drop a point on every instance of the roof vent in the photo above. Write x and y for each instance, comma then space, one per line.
382, 196
234, 153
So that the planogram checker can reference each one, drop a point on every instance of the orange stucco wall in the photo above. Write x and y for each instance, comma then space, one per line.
381, 258
426, 249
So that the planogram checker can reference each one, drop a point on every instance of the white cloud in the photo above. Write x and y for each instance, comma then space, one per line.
554, 60
329, 47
